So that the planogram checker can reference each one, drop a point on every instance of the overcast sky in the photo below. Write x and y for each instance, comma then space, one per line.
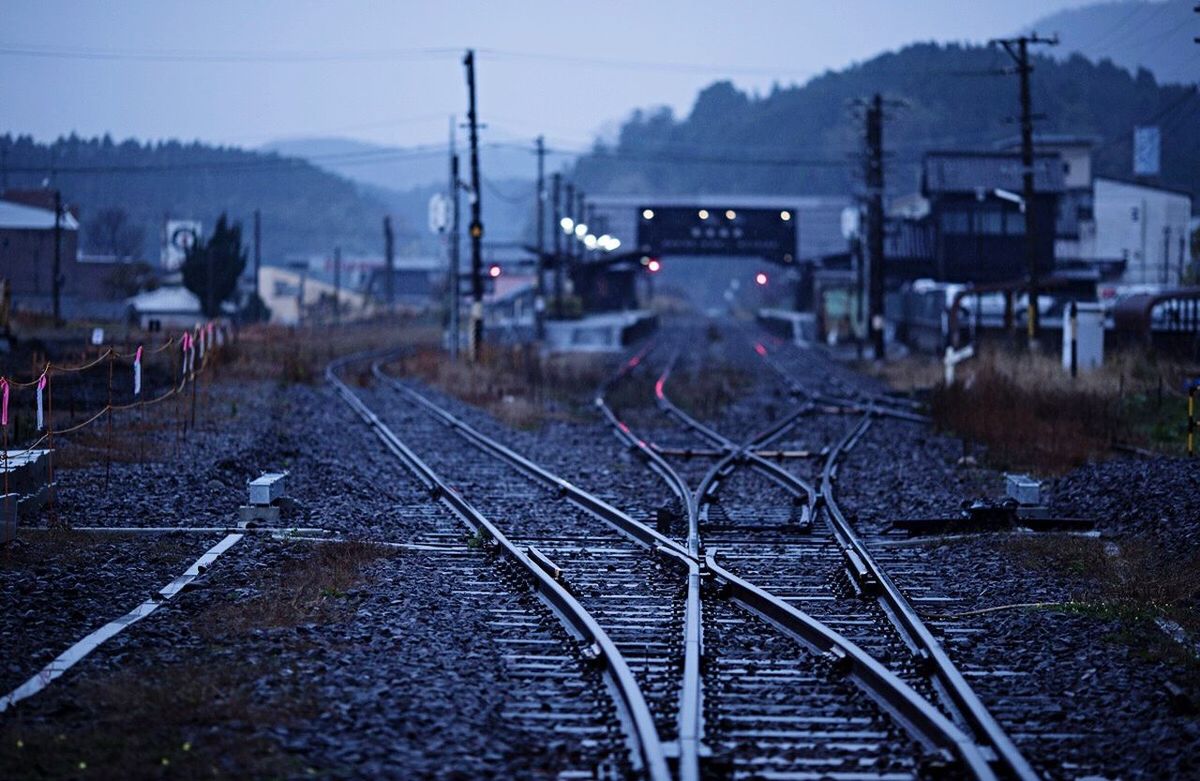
248, 72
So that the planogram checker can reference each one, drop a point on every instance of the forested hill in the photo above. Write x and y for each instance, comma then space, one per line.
304, 209
805, 139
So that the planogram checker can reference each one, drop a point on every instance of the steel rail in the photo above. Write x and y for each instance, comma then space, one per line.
690, 724
918, 635
639, 723
881, 403
899, 610
918, 716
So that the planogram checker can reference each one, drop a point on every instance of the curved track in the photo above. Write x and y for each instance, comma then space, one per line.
806, 563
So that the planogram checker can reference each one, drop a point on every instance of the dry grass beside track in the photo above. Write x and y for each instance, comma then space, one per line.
1030, 414
207, 717
312, 590
199, 719
516, 385
1136, 583
298, 355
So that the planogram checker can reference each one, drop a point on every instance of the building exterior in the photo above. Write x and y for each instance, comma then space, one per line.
27, 249
300, 294
1144, 228
1124, 232
969, 224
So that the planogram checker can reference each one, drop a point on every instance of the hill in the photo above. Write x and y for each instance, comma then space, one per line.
404, 168
1156, 36
305, 210
806, 139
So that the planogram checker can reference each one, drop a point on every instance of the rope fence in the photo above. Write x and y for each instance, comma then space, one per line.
181, 358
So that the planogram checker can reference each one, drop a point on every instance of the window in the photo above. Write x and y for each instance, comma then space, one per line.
989, 222
1134, 214
956, 222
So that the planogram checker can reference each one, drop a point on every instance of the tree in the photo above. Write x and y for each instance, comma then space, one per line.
111, 233
211, 268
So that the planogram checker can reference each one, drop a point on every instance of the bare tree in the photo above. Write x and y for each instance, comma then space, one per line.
110, 232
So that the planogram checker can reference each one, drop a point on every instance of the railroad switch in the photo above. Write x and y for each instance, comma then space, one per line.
984, 515
267, 497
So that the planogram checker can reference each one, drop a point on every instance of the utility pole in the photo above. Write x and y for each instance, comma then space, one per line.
476, 227
337, 285
539, 296
56, 282
874, 177
556, 229
454, 275
389, 259
1018, 49
569, 208
580, 217
257, 251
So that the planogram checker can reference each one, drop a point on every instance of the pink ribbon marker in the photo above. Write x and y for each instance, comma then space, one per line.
41, 387
137, 371
4, 404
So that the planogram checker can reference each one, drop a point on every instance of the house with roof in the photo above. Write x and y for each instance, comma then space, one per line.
1132, 232
968, 223
27, 250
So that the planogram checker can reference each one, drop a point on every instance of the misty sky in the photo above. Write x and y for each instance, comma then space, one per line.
248, 72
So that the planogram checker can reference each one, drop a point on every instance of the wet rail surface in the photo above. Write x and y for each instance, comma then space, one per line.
782, 695
570, 688
780, 527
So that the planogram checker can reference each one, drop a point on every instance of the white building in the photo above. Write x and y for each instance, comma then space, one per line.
1146, 227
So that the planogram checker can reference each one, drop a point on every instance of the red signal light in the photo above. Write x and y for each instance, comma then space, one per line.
653, 266
760, 278
494, 271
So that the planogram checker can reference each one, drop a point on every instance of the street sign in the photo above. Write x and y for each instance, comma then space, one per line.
717, 230
1147, 151
439, 213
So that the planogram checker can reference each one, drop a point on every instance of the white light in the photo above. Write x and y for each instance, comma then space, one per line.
785, 216
567, 224
730, 214
589, 241
581, 230
614, 244
704, 214
647, 214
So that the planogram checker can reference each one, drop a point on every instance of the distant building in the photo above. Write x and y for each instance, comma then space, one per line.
92, 285
165, 308
1144, 228
299, 294
1124, 232
969, 223
27, 249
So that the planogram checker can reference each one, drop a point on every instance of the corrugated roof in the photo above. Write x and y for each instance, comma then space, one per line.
967, 172
16, 216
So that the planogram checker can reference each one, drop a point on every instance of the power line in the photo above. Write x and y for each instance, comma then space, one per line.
148, 55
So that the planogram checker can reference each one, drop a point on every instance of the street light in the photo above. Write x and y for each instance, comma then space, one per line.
567, 224
580, 230
647, 214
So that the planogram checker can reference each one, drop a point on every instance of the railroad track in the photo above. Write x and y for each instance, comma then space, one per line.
792, 698
822, 567
601, 727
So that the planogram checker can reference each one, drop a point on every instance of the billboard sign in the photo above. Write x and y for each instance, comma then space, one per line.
717, 230
1147, 151
178, 237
